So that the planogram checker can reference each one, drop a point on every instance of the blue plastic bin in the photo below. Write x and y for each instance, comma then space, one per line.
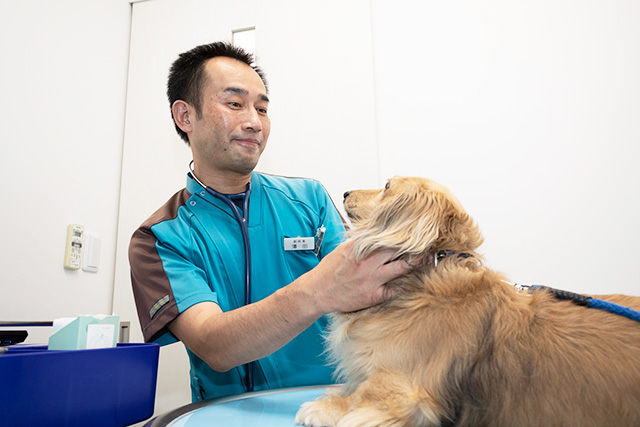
102, 387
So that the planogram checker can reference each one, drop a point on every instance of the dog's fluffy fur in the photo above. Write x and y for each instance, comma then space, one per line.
457, 345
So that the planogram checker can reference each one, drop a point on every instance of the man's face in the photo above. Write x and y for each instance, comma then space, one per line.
232, 131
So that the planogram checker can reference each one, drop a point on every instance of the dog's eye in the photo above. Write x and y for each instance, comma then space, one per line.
386, 187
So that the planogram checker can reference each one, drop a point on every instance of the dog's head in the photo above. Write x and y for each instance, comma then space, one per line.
415, 217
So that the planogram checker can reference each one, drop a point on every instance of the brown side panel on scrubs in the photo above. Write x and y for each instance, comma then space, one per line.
151, 288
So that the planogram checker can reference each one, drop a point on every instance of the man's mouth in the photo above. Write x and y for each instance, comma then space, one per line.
249, 142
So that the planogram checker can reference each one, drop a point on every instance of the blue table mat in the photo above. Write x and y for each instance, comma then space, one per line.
273, 409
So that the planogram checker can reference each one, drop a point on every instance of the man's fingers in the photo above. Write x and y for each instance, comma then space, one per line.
395, 269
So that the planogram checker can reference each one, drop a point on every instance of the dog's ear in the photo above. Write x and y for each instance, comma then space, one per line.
460, 233
404, 222
415, 223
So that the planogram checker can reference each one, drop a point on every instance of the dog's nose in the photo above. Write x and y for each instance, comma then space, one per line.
346, 194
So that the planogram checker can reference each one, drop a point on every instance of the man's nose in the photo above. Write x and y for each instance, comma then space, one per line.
252, 121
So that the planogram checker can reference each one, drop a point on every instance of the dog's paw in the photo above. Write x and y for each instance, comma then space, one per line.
311, 415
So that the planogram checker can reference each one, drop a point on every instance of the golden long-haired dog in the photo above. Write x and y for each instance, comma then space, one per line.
457, 345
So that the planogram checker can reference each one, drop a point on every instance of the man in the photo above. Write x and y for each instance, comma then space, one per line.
192, 261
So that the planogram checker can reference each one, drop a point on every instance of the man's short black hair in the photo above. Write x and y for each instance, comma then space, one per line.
187, 76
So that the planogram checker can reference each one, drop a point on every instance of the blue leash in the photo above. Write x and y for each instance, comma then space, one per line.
614, 308
588, 301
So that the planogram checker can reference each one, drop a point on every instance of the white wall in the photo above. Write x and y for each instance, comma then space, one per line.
63, 85
318, 59
529, 112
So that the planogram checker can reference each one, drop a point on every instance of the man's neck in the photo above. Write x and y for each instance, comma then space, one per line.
223, 182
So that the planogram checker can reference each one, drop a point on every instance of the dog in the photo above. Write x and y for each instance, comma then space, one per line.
457, 345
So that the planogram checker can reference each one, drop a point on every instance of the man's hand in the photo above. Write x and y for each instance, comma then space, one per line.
344, 285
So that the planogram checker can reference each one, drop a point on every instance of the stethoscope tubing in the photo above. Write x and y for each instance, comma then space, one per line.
243, 222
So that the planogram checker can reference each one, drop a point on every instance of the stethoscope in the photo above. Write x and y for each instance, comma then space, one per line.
243, 222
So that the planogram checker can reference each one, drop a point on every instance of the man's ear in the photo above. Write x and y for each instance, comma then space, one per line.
182, 115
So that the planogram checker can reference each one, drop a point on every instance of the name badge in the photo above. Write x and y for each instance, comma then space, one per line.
299, 243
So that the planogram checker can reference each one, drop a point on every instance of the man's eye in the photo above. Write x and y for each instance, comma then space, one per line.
262, 110
235, 104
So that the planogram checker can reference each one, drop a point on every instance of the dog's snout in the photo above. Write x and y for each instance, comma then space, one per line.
346, 194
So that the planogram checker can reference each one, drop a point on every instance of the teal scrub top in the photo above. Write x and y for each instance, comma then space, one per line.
191, 251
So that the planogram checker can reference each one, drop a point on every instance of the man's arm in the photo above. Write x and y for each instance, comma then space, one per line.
338, 283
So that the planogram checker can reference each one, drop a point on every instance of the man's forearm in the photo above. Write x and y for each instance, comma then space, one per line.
225, 340
338, 283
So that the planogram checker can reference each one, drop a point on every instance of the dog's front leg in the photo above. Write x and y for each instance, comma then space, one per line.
325, 411
385, 400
